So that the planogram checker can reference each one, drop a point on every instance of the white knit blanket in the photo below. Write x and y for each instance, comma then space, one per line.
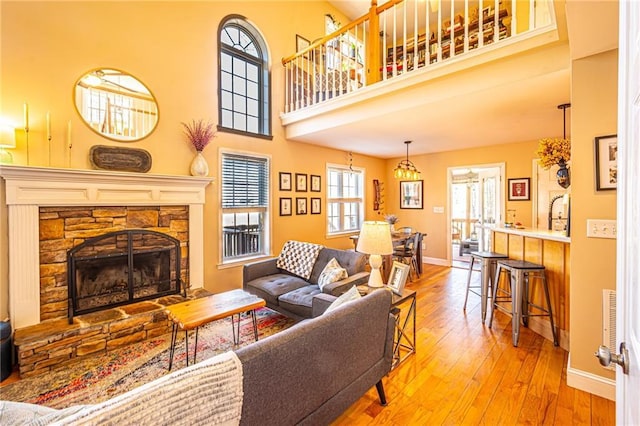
207, 393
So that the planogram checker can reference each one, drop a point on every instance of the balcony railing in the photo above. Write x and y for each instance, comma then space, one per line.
403, 36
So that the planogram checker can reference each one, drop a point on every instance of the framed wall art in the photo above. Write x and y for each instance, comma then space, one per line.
301, 182
519, 189
606, 162
411, 194
285, 206
315, 183
285, 181
398, 277
316, 205
301, 205
301, 43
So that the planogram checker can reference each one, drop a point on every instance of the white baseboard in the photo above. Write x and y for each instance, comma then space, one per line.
436, 261
589, 382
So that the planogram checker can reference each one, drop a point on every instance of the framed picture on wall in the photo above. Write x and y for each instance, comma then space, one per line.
315, 183
411, 194
301, 182
519, 189
285, 181
301, 205
606, 162
315, 205
285, 206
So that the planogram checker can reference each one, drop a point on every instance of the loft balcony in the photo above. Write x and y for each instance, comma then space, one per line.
408, 59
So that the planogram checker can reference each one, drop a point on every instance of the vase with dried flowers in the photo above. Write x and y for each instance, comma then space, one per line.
552, 151
199, 134
391, 219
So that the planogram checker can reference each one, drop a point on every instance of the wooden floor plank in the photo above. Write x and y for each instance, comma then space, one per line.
465, 373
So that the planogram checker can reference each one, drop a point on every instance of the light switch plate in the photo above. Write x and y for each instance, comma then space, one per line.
601, 228
438, 209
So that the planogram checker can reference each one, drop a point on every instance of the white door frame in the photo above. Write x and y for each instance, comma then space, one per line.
501, 212
628, 211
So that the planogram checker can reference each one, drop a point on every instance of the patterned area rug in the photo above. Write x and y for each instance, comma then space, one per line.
104, 376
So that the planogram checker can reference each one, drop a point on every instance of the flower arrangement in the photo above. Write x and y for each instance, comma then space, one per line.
199, 133
391, 219
552, 151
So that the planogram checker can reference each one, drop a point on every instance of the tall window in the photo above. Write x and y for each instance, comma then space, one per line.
245, 206
345, 199
244, 80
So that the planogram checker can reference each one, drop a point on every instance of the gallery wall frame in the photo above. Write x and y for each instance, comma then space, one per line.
606, 153
316, 205
285, 181
285, 206
301, 182
316, 183
301, 205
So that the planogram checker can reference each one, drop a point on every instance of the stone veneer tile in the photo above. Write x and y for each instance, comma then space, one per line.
51, 229
142, 218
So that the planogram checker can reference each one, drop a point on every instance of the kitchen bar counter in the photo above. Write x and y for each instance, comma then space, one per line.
543, 234
551, 249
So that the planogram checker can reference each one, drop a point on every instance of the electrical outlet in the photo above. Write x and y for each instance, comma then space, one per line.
601, 228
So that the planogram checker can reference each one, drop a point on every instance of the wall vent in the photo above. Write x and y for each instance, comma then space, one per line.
609, 322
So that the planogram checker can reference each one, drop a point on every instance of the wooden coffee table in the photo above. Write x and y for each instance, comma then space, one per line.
194, 313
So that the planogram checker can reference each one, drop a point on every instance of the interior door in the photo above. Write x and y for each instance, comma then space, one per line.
490, 202
628, 266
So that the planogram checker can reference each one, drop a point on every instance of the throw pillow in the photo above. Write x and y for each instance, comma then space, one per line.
346, 297
298, 258
331, 273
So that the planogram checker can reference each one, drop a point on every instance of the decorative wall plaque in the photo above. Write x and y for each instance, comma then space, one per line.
120, 159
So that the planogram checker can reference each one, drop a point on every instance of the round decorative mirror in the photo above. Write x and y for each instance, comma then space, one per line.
116, 105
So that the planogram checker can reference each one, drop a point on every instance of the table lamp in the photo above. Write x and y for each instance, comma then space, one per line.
375, 240
7, 140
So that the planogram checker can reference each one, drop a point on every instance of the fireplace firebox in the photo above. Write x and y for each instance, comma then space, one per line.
122, 267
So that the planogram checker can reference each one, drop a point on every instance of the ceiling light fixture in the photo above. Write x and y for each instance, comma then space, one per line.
406, 169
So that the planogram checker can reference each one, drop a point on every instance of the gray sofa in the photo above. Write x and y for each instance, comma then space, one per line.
308, 374
292, 295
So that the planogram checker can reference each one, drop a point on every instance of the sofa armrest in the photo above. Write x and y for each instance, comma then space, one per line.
339, 287
258, 269
321, 303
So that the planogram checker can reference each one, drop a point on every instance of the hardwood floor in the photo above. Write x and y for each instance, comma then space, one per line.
465, 373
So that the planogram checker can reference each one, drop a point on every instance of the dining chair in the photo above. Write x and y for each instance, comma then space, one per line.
408, 253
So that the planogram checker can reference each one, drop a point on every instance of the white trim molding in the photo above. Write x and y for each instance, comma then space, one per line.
29, 188
589, 382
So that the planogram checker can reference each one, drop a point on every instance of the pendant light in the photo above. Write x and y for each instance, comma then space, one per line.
563, 176
406, 169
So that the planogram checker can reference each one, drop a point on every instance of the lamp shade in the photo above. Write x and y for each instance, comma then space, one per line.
375, 238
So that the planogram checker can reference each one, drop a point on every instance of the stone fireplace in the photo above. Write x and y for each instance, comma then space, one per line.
50, 211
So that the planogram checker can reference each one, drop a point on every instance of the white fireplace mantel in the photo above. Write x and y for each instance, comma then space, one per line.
29, 188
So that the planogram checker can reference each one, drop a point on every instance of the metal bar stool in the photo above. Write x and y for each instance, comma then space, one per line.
520, 276
488, 260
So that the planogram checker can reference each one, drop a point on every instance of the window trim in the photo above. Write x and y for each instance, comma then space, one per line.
361, 210
266, 97
268, 219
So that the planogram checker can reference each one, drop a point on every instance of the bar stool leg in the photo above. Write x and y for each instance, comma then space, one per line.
485, 277
553, 327
517, 284
466, 296
496, 280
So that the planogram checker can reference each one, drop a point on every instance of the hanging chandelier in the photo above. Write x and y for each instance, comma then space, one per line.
406, 169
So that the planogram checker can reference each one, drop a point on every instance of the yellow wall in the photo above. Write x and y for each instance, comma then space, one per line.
172, 48
593, 260
517, 158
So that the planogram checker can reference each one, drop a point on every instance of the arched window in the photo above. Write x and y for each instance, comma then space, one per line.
244, 79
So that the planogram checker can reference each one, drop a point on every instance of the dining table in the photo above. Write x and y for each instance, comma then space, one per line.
397, 239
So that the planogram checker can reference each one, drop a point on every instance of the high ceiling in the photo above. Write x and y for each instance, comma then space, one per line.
521, 104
